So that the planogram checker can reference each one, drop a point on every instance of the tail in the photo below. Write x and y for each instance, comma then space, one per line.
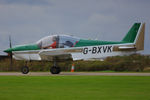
136, 36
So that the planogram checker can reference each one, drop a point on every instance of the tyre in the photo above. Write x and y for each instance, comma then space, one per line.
55, 70
25, 69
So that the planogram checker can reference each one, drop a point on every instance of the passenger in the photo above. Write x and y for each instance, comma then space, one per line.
68, 44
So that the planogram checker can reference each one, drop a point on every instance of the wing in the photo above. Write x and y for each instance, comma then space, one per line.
60, 54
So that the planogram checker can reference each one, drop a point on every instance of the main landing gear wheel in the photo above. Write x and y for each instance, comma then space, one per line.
25, 69
55, 70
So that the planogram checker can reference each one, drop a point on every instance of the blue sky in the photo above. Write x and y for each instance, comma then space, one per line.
29, 20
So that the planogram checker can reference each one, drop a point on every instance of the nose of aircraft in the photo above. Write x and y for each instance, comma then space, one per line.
8, 50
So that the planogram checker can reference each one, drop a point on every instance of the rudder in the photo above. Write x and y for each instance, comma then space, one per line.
139, 41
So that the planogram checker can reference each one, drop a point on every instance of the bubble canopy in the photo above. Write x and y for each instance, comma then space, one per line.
60, 41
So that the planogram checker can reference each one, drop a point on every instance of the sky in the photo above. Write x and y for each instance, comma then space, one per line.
27, 21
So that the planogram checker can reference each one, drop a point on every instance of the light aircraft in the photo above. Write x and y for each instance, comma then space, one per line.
64, 47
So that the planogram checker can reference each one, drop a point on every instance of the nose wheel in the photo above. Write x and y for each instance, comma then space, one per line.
25, 68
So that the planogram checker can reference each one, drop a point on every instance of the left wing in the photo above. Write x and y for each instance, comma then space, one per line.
59, 54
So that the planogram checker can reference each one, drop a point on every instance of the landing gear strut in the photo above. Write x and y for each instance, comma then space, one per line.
25, 69
55, 69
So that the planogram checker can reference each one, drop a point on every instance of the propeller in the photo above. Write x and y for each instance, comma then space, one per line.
10, 54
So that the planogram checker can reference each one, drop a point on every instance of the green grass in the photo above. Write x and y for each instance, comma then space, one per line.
74, 88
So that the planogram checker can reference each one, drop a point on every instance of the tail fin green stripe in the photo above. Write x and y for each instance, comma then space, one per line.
131, 35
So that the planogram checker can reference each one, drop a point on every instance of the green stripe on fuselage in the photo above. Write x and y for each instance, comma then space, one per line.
23, 48
82, 42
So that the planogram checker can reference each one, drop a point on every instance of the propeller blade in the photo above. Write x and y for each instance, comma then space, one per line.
10, 54
10, 45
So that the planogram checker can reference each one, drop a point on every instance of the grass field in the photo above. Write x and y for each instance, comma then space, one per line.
74, 88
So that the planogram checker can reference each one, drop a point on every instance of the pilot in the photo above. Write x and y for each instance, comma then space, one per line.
54, 44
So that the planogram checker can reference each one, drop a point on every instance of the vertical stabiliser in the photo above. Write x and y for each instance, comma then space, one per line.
132, 33
136, 36
139, 41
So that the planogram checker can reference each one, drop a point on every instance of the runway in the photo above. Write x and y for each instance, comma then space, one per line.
73, 74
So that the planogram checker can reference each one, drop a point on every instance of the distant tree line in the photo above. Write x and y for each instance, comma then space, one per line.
137, 63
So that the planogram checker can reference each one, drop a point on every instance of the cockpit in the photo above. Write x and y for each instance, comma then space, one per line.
57, 41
